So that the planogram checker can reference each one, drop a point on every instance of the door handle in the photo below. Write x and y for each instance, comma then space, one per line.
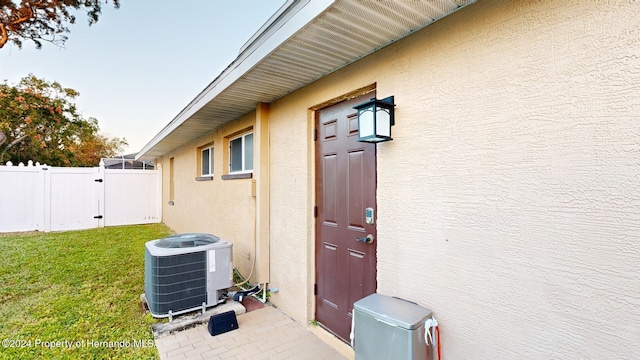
367, 239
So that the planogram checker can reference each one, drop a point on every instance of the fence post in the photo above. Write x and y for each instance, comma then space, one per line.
101, 196
40, 200
46, 173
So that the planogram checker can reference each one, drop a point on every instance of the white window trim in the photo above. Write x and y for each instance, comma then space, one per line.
210, 148
243, 171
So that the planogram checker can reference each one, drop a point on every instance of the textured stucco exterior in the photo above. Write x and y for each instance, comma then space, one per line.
509, 199
225, 208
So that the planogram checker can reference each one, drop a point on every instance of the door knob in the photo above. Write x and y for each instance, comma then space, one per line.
367, 240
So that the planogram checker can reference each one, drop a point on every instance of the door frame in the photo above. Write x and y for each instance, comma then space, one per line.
312, 121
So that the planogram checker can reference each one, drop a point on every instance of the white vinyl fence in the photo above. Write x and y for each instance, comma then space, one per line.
46, 198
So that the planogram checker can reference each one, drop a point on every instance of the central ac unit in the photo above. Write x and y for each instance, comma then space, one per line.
186, 272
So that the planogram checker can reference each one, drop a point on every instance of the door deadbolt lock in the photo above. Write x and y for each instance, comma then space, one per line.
368, 216
367, 239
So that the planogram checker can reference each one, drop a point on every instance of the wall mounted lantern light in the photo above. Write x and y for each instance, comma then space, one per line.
375, 118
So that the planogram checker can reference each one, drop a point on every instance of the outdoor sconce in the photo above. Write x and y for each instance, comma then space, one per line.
375, 118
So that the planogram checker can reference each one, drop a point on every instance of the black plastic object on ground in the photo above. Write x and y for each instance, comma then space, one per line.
222, 323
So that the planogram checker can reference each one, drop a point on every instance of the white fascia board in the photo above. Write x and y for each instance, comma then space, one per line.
294, 18
266, 29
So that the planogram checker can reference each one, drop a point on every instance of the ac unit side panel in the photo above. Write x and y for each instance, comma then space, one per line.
219, 268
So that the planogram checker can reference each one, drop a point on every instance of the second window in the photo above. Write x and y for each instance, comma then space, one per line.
241, 151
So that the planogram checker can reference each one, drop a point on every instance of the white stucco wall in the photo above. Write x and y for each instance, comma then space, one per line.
509, 199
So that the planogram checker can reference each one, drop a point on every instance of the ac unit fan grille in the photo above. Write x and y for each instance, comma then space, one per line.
175, 283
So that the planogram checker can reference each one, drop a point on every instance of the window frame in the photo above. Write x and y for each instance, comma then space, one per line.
243, 145
211, 162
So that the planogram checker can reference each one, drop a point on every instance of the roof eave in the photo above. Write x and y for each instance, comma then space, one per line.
302, 42
280, 27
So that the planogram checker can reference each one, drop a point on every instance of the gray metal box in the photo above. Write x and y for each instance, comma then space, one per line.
389, 328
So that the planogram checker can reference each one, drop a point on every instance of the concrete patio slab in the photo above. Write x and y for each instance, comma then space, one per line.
265, 333
187, 321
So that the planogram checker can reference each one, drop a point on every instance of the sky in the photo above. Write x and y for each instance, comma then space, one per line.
140, 65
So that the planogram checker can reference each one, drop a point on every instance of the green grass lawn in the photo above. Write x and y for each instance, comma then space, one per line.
76, 294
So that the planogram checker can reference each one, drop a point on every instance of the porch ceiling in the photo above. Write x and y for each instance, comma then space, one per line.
304, 41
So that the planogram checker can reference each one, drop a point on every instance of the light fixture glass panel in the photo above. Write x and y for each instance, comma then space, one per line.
383, 122
365, 122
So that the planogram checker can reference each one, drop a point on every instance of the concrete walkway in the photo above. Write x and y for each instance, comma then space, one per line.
265, 333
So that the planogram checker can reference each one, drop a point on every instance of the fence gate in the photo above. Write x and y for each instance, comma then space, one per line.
74, 198
56, 198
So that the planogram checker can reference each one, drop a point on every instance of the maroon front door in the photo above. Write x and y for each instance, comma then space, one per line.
345, 190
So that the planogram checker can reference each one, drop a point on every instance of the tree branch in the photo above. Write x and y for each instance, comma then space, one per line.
15, 142
45, 20
24, 18
12, 144
4, 37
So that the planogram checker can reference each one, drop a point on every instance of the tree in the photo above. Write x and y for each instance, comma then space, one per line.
95, 147
39, 121
43, 20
